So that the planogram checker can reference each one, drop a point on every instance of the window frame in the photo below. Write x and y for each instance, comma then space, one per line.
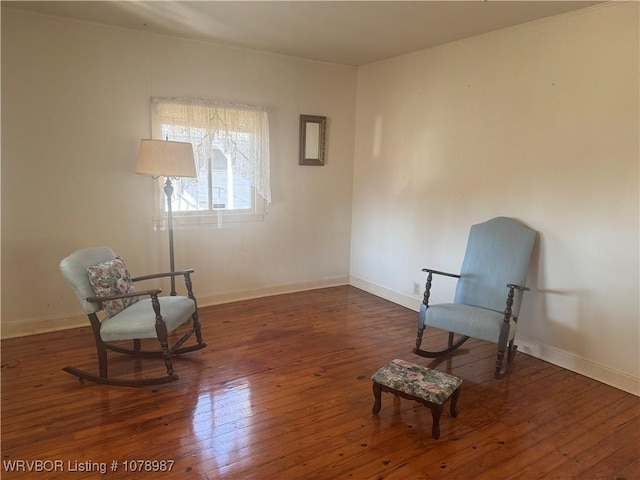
213, 217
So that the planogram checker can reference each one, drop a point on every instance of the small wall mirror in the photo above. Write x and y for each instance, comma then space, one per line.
312, 139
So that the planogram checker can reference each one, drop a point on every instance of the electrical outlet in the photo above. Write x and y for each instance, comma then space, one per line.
416, 288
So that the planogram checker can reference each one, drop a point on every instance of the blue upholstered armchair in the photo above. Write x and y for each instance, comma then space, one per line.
101, 281
488, 294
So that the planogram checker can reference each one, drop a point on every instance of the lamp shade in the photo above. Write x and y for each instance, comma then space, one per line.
164, 158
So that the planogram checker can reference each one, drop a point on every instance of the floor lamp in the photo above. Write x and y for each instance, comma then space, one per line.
164, 158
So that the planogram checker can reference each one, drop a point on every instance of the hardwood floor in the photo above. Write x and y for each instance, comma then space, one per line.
283, 391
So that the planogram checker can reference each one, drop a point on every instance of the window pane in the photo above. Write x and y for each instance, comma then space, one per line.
231, 191
193, 197
229, 148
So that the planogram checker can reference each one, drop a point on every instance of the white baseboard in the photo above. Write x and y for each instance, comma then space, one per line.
561, 358
42, 325
412, 303
577, 364
52, 324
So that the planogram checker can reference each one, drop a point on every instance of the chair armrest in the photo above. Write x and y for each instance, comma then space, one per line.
154, 302
164, 274
427, 286
441, 273
141, 293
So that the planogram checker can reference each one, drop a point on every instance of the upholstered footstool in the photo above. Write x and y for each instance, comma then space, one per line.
428, 387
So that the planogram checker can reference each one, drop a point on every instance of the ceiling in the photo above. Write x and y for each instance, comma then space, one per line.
344, 32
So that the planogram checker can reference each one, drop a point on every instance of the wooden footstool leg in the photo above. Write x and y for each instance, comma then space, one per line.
377, 394
436, 411
454, 402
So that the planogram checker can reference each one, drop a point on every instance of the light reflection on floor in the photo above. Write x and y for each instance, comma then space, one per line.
221, 422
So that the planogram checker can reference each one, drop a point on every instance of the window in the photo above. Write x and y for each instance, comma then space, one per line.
231, 150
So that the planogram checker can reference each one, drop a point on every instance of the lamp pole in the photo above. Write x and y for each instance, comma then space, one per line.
168, 159
168, 191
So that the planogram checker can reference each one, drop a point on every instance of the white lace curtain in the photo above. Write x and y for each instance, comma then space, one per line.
241, 132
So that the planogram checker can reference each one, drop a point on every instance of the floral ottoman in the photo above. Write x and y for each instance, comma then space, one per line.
429, 387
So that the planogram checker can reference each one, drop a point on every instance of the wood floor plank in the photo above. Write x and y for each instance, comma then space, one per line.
284, 391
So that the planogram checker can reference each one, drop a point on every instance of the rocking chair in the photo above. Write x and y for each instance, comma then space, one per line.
101, 281
488, 294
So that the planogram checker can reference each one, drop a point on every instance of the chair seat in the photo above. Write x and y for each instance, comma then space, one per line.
138, 320
475, 322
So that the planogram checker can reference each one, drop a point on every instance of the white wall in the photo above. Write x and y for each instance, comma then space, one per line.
75, 103
539, 123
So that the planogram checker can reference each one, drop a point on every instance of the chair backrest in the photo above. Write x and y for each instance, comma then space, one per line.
498, 252
74, 271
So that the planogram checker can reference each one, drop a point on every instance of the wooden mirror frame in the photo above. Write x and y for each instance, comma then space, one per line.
312, 139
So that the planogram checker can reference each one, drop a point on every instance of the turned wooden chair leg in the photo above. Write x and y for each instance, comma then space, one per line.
102, 360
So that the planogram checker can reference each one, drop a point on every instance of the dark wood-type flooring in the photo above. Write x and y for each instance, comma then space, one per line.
283, 391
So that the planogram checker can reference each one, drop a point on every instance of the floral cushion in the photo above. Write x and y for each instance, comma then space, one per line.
417, 381
112, 278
